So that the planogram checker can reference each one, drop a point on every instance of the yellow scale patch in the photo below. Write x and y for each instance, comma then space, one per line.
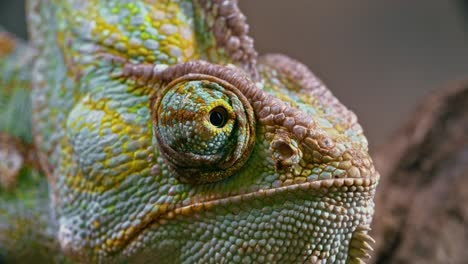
174, 34
102, 183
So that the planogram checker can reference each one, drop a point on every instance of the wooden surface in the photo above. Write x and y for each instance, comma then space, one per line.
422, 200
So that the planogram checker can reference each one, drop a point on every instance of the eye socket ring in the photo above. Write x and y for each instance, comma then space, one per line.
197, 169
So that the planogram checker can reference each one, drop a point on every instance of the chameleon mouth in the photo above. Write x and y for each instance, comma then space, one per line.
305, 190
321, 186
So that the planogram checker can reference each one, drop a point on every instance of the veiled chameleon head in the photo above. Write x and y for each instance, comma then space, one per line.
182, 146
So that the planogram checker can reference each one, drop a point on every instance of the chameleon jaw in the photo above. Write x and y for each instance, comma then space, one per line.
315, 187
306, 190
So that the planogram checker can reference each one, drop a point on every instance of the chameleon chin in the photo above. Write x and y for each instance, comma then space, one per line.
163, 137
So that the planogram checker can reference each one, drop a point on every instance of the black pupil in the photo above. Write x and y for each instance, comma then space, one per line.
218, 117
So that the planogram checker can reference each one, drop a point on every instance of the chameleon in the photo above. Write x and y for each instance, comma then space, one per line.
152, 131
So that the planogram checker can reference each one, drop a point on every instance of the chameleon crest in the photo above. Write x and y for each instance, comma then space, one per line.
165, 137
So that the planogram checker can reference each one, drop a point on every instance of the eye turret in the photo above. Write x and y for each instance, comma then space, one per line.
204, 127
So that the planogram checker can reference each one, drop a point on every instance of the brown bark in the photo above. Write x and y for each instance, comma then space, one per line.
7, 43
422, 200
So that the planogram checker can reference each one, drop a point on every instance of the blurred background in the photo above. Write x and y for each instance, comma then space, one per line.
378, 57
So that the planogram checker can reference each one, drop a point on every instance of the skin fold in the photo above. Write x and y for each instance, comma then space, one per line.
161, 136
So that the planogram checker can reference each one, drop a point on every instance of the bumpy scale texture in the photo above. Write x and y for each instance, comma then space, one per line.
166, 139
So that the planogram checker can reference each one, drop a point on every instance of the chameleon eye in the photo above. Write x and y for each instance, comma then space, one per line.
204, 128
218, 116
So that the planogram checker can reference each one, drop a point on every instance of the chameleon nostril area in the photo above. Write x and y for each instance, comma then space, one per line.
285, 151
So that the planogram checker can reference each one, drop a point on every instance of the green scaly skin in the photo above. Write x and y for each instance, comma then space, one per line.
164, 138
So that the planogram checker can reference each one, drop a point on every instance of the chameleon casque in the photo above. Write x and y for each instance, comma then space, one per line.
164, 138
